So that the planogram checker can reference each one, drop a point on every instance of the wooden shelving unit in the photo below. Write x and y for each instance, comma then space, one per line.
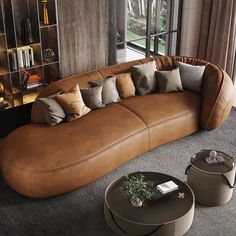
44, 37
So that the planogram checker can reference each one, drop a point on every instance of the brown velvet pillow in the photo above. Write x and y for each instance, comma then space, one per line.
73, 103
169, 81
125, 85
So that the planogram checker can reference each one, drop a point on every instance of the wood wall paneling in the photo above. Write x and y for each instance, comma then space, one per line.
85, 34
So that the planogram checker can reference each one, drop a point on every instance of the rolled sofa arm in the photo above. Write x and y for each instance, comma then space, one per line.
217, 97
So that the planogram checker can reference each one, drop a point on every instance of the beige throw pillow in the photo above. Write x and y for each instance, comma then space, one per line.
125, 85
191, 76
169, 81
109, 90
73, 103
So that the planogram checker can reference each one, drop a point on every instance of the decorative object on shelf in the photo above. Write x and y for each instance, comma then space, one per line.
1, 88
45, 13
136, 189
48, 55
26, 31
12, 60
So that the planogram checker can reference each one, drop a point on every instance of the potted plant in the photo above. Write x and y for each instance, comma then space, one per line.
136, 189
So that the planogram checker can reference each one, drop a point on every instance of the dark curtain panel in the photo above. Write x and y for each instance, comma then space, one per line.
217, 42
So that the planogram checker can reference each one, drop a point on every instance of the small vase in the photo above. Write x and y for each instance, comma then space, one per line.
136, 202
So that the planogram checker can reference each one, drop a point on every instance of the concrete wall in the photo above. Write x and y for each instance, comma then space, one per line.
191, 23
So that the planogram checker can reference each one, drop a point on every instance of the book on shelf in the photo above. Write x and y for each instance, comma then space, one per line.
12, 60
34, 85
25, 56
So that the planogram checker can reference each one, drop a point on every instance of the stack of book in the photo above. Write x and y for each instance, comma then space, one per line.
25, 56
34, 81
167, 187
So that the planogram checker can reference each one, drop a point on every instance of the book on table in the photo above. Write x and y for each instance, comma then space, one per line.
167, 187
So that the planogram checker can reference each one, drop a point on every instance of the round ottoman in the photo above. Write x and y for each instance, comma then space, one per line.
169, 216
212, 184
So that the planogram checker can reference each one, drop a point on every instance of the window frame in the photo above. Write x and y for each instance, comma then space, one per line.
147, 49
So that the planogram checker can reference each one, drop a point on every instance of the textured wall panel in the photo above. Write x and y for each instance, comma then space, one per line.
84, 34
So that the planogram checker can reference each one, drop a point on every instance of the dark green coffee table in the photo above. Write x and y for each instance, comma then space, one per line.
172, 215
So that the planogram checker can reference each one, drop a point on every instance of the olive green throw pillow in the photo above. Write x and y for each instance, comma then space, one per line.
92, 97
144, 78
169, 81
53, 111
109, 90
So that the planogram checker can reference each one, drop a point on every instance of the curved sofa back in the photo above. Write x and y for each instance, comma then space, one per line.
217, 87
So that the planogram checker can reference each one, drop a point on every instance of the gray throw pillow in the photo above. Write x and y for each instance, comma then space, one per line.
144, 78
109, 90
53, 111
191, 76
92, 97
169, 81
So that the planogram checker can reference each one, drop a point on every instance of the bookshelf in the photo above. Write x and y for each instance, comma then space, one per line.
22, 29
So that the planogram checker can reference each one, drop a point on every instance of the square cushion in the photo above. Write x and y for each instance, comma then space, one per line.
125, 85
144, 78
54, 113
73, 103
109, 90
191, 76
92, 97
169, 81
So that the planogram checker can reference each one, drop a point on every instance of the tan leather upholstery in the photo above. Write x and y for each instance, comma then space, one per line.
42, 161
64, 157
167, 120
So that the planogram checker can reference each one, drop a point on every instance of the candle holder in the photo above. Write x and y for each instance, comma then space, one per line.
45, 12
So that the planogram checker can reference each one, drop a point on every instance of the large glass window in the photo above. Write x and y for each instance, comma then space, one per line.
149, 26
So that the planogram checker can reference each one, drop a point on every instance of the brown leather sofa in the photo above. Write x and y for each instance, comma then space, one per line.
42, 161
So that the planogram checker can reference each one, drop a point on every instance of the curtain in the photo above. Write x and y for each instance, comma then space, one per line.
217, 42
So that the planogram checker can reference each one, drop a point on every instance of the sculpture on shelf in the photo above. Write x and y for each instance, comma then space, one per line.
45, 12
48, 55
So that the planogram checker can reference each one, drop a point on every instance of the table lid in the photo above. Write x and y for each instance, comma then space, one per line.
199, 161
156, 212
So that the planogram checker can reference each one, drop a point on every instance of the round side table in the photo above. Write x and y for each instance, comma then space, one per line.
168, 216
212, 184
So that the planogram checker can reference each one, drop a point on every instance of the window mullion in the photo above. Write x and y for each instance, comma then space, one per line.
148, 27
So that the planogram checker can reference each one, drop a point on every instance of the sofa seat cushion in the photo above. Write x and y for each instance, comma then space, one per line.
54, 160
168, 116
